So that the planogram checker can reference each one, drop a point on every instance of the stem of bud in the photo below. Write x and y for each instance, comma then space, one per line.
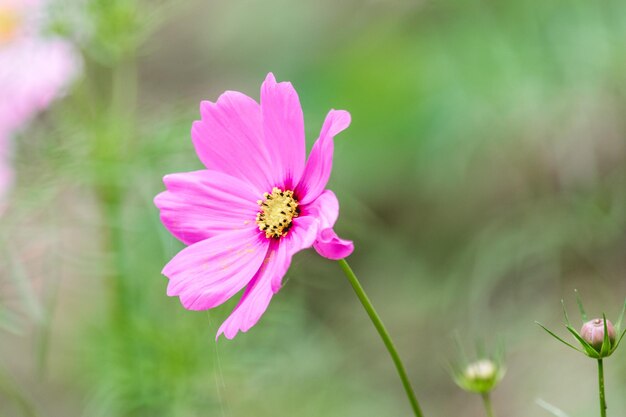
488, 405
384, 335
601, 388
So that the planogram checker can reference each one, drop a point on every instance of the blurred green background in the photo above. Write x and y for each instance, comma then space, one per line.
482, 180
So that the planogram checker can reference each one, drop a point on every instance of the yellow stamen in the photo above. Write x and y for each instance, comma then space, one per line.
9, 23
277, 212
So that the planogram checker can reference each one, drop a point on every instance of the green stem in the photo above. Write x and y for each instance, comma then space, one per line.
384, 335
113, 149
601, 388
488, 405
11, 390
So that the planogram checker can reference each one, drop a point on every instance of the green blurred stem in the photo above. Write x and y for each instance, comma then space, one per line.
114, 148
384, 335
113, 242
488, 406
601, 388
11, 390
124, 98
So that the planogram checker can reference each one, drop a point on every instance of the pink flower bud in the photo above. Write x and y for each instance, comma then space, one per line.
593, 332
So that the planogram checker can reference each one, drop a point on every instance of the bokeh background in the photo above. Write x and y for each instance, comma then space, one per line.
482, 180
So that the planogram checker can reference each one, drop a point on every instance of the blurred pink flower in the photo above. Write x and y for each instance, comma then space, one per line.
34, 70
254, 207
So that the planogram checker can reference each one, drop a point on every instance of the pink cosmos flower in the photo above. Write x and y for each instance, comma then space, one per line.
255, 206
34, 70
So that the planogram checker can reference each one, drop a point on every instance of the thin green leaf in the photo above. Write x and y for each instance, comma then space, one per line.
586, 346
10, 321
24, 287
619, 340
453, 370
12, 391
557, 412
457, 341
558, 338
481, 350
500, 351
618, 324
583, 314
565, 312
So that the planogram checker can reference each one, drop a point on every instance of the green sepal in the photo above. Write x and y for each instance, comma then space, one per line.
618, 324
619, 340
589, 350
606, 348
565, 313
558, 338
583, 313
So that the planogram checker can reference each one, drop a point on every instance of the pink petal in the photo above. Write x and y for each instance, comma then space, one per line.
325, 208
258, 294
283, 127
208, 273
301, 236
201, 204
327, 243
229, 138
320, 163
267, 282
33, 72
24, 6
330, 246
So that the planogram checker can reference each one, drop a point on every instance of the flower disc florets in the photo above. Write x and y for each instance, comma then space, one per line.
277, 212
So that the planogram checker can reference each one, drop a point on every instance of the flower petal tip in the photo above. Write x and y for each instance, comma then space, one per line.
157, 200
170, 290
270, 80
277, 284
228, 333
204, 104
339, 121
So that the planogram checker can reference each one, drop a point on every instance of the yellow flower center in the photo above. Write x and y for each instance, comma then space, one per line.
9, 23
277, 212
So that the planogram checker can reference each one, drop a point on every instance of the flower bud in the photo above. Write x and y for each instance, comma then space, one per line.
593, 332
481, 376
482, 370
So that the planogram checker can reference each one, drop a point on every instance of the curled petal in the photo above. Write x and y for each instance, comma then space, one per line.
320, 163
201, 204
325, 208
331, 246
327, 243
207, 273
283, 129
